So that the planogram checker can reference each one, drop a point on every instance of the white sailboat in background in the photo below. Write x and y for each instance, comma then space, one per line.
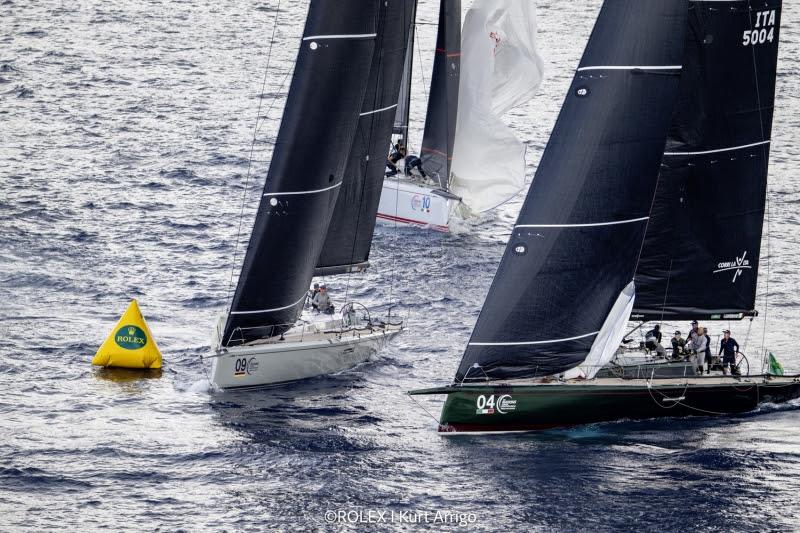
472, 160
317, 212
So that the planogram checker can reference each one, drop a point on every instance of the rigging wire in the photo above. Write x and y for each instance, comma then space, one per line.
765, 163
250, 158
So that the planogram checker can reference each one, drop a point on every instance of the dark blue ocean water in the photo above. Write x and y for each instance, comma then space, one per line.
125, 130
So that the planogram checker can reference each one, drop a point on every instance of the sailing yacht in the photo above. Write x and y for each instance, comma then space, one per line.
472, 160
317, 212
653, 74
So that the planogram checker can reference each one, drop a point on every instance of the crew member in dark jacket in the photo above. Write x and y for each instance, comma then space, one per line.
653, 341
728, 347
678, 346
398, 152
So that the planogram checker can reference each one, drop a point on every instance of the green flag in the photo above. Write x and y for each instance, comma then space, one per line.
775, 368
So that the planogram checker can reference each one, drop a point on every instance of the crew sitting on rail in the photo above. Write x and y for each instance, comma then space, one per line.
728, 347
322, 302
652, 341
397, 153
678, 346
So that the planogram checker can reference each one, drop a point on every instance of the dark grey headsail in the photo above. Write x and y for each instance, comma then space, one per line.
308, 163
349, 238
440, 121
701, 253
575, 245
401, 117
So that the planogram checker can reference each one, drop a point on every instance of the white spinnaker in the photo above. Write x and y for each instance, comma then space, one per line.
500, 69
608, 340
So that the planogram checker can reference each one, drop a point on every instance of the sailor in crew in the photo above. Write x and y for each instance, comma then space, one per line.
698, 342
414, 163
728, 347
693, 334
322, 302
652, 340
311, 294
397, 153
678, 346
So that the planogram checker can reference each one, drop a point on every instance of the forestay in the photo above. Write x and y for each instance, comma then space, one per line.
500, 69
701, 254
308, 162
440, 121
349, 236
575, 245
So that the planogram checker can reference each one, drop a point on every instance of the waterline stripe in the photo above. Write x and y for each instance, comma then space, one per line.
342, 36
581, 225
719, 149
377, 110
268, 310
302, 192
528, 343
630, 67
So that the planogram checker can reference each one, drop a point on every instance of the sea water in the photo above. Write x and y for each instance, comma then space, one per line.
125, 136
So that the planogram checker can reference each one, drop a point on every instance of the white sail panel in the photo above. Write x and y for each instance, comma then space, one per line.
608, 340
500, 69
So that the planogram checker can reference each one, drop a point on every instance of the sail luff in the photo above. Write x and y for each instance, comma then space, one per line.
701, 253
575, 244
349, 236
402, 117
440, 120
307, 167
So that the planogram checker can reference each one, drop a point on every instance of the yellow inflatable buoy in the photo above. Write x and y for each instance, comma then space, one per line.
130, 344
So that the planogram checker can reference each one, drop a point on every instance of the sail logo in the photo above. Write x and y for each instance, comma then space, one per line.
737, 266
489, 405
130, 337
763, 31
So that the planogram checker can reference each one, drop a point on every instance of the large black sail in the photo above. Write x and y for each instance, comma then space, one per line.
440, 121
350, 232
701, 253
308, 163
575, 244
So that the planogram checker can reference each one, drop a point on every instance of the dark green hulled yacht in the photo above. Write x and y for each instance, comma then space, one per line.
669, 110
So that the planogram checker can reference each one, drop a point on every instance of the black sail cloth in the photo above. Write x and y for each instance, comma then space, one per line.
580, 229
308, 162
701, 253
440, 121
349, 237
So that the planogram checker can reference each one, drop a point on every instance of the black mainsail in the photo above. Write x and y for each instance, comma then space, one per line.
701, 254
349, 237
308, 163
440, 121
574, 248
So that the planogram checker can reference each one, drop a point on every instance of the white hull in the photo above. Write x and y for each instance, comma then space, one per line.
407, 203
274, 361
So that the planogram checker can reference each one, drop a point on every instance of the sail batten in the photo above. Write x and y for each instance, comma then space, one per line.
700, 257
573, 251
